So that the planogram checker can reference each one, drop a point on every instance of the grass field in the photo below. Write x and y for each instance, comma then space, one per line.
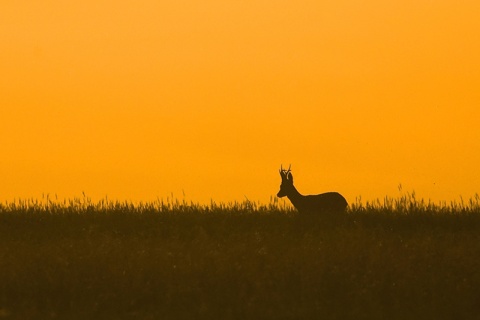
393, 259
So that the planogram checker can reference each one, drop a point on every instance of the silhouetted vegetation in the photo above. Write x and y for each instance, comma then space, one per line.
393, 259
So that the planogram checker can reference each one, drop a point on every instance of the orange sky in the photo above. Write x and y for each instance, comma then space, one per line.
141, 99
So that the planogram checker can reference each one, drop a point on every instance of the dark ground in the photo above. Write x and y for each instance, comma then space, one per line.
243, 262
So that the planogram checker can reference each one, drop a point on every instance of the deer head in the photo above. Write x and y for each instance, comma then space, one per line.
287, 182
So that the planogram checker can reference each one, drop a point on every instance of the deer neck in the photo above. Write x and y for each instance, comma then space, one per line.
295, 197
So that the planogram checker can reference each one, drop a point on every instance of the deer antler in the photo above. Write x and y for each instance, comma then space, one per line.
285, 172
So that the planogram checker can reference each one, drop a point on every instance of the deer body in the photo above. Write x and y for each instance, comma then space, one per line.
324, 202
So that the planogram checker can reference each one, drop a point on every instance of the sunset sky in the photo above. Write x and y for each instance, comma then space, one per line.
139, 100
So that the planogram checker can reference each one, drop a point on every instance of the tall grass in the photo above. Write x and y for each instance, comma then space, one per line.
82, 205
402, 258
406, 204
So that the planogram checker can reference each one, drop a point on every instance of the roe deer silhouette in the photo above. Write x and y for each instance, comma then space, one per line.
324, 202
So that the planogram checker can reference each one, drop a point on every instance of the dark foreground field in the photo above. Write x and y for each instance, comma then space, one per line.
401, 259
